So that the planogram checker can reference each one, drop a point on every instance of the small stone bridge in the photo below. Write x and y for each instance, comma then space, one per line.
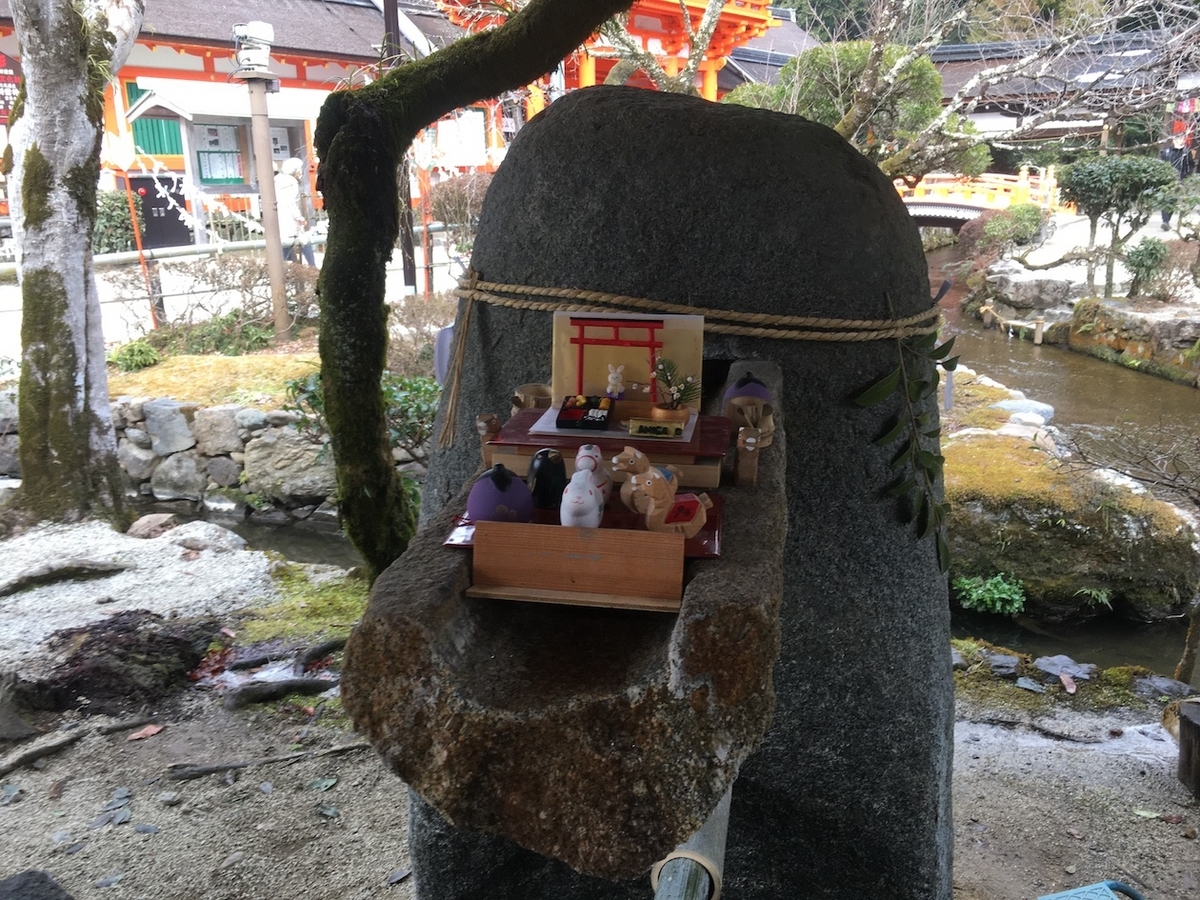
949, 201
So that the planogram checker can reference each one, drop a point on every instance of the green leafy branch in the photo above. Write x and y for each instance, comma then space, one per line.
917, 468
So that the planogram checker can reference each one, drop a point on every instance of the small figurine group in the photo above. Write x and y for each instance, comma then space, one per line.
649, 491
579, 500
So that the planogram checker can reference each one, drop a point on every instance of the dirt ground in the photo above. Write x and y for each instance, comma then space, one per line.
1034, 813
319, 826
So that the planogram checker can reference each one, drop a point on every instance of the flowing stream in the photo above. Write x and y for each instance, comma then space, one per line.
1084, 392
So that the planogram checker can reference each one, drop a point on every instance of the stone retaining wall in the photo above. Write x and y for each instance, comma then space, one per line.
228, 459
1152, 337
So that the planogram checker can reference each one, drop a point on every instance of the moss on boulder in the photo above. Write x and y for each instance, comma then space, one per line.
1080, 543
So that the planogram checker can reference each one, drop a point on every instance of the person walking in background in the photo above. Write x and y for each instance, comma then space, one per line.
1179, 156
293, 224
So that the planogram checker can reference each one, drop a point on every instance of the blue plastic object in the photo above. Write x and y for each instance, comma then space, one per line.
1102, 891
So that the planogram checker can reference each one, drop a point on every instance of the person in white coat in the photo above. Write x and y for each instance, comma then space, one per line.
293, 224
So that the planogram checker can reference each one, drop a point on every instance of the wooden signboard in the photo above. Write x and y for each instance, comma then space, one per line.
606, 567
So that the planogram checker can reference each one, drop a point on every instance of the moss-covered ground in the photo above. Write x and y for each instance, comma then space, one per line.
258, 380
1111, 688
972, 405
310, 610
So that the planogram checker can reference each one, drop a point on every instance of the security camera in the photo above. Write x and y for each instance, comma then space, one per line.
252, 48
256, 32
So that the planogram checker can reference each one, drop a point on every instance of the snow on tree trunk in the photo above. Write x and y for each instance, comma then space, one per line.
69, 52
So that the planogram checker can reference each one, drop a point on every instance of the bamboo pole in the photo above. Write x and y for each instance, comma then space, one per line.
693, 870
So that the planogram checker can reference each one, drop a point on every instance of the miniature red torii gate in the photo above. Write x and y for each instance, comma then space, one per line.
652, 342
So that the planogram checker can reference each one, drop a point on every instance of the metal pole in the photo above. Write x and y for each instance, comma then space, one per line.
137, 240
693, 870
260, 136
391, 32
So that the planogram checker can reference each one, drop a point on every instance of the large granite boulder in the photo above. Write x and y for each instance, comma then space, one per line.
10, 463
139, 463
8, 410
284, 464
660, 196
178, 477
1027, 291
216, 430
599, 737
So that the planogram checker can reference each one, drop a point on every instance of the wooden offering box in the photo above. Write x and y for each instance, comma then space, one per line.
620, 566
606, 567
698, 460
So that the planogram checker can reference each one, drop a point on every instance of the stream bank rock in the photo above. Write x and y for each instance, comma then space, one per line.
1084, 544
1147, 336
1141, 333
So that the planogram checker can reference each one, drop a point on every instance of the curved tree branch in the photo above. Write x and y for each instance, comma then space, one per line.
361, 138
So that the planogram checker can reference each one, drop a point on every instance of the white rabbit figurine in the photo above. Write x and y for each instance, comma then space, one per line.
616, 382
581, 506
589, 457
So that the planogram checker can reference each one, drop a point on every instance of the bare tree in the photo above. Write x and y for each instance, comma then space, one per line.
878, 83
1091, 68
1064, 75
70, 52
623, 45
633, 56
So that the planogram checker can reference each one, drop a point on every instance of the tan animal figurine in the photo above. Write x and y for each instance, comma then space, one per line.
632, 461
487, 425
664, 510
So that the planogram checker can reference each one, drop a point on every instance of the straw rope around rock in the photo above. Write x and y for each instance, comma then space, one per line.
718, 321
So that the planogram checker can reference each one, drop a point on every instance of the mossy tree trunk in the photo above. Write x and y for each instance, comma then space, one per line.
361, 138
67, 445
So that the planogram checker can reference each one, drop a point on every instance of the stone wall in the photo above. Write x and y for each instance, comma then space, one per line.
230, 459
1162, 341
8, 433
1157, 338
